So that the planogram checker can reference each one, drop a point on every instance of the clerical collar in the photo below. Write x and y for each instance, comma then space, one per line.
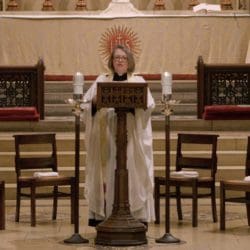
123, 77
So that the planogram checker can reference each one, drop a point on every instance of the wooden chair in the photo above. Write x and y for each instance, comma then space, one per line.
207, 165
235, 185
26, 163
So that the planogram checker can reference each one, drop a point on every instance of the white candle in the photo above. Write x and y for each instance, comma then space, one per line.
78, 83
166, 83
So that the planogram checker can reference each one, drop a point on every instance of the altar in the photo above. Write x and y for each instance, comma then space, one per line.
161, 41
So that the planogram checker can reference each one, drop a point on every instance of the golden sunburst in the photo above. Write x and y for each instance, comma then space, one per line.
119, 35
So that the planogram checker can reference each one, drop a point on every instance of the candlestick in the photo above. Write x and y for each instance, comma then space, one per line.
167, 104
76, 238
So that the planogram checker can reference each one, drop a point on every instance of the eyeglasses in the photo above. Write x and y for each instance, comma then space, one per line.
120, 58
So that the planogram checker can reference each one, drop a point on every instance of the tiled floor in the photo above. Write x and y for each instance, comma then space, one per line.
49, 235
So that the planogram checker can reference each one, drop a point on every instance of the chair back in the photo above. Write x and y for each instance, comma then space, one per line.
247, 170
185, 161
37, 160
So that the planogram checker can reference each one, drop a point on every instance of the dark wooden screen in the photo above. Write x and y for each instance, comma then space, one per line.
222, 84
23, 86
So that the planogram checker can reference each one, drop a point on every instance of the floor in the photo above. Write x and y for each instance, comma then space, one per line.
49, 235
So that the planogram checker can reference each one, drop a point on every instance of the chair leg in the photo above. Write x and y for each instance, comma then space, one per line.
213, 202
18, 203
2, 205
157, 201
33, 205
55, 201
178, 203
194, 204
72, 202
248, 214
222, 207
248, 207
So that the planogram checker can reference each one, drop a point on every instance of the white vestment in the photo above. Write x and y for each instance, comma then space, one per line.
100, 137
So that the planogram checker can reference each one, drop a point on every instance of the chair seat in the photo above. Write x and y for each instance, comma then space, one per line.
238, 185
188, 182
200, 181
44, 181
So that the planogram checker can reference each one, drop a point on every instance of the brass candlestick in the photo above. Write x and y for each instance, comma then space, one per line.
76, 238
167, 110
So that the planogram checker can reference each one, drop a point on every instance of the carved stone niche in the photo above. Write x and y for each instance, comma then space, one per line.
12, 5
226, 5
81, 5
159, 5
192, 4
47, 5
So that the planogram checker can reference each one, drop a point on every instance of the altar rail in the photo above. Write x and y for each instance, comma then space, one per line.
222, 84
23, 86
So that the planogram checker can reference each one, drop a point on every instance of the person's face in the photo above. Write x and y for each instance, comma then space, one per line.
120, 62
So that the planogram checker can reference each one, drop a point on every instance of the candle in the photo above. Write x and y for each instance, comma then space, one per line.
166, 83
78, 83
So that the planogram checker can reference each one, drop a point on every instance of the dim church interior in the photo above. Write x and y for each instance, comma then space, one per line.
59, 118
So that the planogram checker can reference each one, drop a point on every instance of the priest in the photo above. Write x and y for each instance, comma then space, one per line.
100, 137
